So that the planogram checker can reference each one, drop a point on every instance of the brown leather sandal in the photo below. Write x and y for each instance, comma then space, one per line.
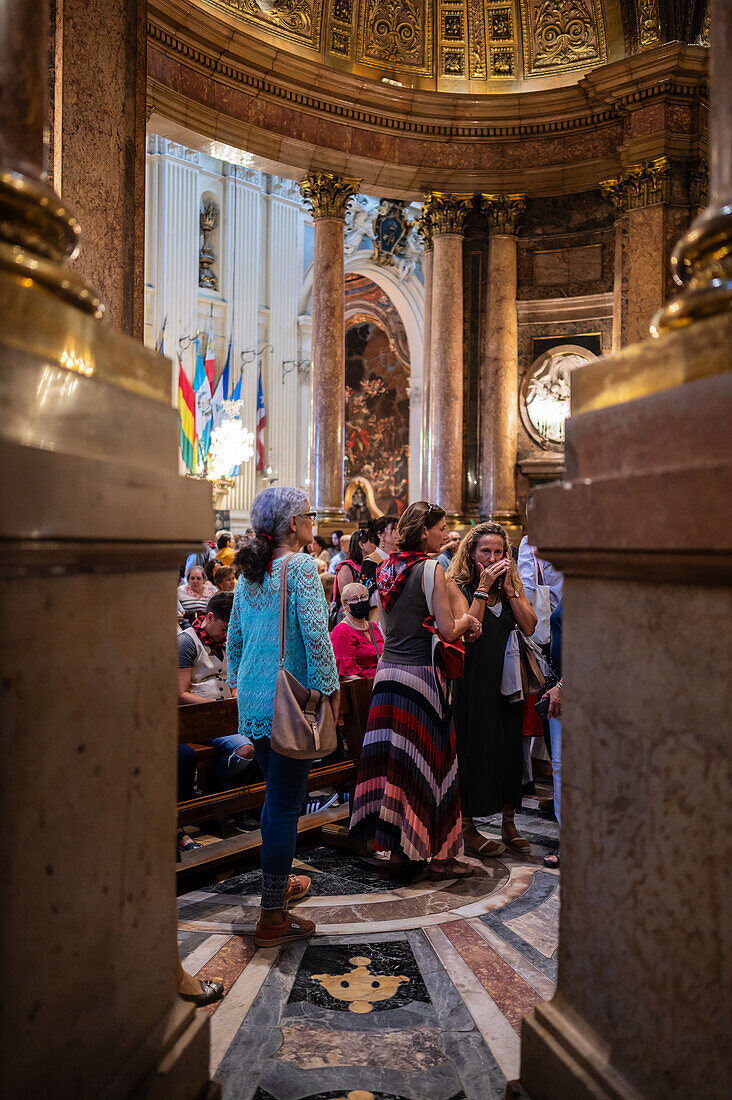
485, 849
451, 869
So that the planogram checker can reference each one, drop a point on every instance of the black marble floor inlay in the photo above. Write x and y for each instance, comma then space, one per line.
336, 873
351, 1094
373, 977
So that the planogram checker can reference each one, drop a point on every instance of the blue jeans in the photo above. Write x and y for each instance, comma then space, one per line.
229, 767
286, 786
555, 734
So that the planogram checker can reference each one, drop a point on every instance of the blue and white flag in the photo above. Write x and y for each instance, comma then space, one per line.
221, 393
202, 388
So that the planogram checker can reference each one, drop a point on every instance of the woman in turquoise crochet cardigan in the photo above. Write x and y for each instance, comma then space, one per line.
282, 524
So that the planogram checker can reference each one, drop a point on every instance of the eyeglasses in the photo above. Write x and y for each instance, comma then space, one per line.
306, 515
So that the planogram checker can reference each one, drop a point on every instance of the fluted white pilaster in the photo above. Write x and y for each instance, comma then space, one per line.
284, 282
173, 196
241, 220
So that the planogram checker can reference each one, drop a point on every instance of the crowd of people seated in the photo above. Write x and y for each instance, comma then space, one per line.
438, 753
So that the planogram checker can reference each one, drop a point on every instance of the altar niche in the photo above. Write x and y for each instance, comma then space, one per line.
377, 415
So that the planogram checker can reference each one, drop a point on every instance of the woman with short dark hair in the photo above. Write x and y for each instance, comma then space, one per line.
283, 524
407, 799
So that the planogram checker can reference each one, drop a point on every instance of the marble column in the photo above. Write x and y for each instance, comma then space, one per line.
445, 434
98, 145
702, 260
328, 197
94, 521
499, 383
642, 1002
427, 268
643, 246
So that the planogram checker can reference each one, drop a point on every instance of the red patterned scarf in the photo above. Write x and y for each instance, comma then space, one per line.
217, 648
394, 573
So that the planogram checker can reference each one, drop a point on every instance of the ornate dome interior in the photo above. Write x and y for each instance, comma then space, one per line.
472, 46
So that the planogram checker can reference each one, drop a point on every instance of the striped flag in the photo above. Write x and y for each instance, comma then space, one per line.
202, 389
210, 363
221, 392
261, 425
159, 347
187, 418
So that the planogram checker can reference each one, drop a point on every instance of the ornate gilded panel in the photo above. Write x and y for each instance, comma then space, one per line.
561, 35
501, 31
297, 20
477, 57
339, 34
396, 35
649, 22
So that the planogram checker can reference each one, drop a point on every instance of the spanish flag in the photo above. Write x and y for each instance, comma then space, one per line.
186, 413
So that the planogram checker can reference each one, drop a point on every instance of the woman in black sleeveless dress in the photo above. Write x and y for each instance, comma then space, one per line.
483, 579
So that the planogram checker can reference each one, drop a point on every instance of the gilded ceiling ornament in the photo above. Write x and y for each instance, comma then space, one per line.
561, 34
649, 22
392, 31
504, 212
614, 190
477, 67
328, 195
446, 213
396, 33
298, 19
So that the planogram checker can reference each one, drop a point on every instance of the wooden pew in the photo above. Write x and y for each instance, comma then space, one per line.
199, 722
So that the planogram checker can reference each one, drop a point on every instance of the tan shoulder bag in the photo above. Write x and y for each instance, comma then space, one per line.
302, 721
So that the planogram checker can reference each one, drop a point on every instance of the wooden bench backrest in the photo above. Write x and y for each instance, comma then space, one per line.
202, 721
355, 702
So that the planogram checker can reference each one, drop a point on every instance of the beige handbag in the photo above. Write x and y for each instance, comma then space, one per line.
302, 721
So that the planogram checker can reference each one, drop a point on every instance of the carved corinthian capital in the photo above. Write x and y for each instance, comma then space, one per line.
423, 225
328, 195
446, 213
504, 212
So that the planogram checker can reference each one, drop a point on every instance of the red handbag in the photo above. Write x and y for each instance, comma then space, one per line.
448, 656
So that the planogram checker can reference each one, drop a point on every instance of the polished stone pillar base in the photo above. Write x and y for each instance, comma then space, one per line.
94, 522
640, 529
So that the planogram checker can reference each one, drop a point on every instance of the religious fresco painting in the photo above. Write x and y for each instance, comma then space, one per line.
377, 415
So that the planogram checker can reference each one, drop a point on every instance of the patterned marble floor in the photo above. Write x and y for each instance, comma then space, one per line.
404, 993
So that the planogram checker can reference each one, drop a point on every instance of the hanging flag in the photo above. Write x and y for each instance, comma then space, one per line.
202, 390
210, 363
221, 392
161, 341
261, 425
187, 418
236, 392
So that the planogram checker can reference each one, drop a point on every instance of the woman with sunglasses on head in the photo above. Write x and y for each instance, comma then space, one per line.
483, 579
283, 524
407, 799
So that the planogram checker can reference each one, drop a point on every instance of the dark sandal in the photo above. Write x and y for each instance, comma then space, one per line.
186, 843
210, 992
452, 869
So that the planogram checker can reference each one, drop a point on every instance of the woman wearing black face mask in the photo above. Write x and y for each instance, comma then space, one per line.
357, 643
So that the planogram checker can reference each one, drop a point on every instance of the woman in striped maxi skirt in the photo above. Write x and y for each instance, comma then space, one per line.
407, 798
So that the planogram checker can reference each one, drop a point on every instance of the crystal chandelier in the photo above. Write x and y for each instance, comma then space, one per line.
231, 444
